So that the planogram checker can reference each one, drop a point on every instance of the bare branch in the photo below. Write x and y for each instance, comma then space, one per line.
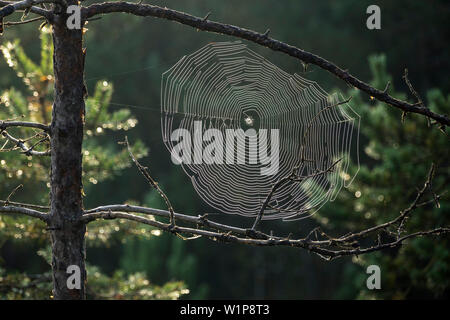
213, 235
9, 7
263, 40
411, 88
415, 94
12, 193
200, 220
25, 205
319, 247
293, 177
15, 23
8, 209
143, 170
393, 244
7, 124
20, 210
324, 245
26, 150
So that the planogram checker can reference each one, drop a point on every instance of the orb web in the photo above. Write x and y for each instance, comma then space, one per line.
228, 86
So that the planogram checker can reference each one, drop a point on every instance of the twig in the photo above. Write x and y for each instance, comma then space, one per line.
143, 170
415, 94
26, 150
15, 23
293, 177
12, 193
26, 205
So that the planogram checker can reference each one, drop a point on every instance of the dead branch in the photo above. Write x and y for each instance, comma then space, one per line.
25, 205
25, 211
200, 220
293, 177
26, 150
264, 40
324, 245
7, 124
325, 248
143, 170
9, 7
411, 88
415, 94
12, 193
15, 23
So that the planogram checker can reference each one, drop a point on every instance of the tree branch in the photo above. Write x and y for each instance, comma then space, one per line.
246, 236
25, 205
293, 177
326, 247
27, 150
200, 220
15, 23
25, 211
264, 40
7, 124
9, 7
143, 170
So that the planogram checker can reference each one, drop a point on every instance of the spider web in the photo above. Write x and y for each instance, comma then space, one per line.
226, 85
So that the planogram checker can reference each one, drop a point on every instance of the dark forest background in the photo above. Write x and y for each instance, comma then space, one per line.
132, 52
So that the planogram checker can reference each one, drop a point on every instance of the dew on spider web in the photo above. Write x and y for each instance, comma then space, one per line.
228, 86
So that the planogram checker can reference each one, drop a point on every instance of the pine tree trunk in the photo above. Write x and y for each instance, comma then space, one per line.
67, 233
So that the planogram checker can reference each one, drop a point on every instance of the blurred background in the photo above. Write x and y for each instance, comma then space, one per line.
126, 56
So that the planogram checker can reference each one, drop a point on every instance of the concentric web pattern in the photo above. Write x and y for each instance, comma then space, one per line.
228, 86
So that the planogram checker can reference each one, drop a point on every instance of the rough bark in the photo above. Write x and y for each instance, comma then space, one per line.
67, 232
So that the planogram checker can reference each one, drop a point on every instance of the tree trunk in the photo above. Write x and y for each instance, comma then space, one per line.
67, 233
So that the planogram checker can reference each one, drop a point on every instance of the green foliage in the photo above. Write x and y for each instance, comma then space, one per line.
102, 160
118, 286
132, 287
398, 156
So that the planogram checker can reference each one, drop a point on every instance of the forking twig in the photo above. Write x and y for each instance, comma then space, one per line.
293, 177
12, 193
143, 170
